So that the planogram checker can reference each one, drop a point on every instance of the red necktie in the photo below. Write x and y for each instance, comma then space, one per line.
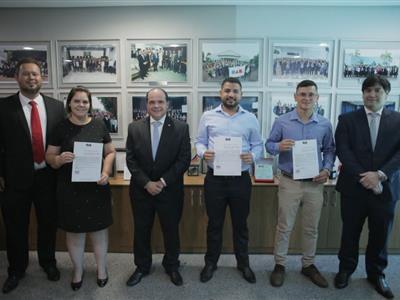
37, 137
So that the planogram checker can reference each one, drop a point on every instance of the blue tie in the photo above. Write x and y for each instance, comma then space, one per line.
156, 138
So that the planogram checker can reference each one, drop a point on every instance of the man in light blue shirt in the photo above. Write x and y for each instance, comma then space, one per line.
228, 120
300, 124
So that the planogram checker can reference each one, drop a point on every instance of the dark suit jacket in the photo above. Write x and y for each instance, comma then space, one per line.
172, 158
16, 158
354, 149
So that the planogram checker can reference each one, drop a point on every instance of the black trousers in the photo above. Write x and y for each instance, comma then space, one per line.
220, 192
16, 208
168, 207
380, 213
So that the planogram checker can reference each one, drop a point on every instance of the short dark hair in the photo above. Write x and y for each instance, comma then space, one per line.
231, 80
72, 93
305, 83
157, 88
373, 80
26, 60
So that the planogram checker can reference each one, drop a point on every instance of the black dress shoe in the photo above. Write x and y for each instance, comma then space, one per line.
102, 282
248, 274
342, 280
136, 277
176, 277
207, 272
381, 286
11, 283
52, 273
76, 285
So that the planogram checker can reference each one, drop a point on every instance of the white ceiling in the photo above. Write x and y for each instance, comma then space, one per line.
100, 3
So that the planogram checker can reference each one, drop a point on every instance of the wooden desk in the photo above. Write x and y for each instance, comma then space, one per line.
261, 222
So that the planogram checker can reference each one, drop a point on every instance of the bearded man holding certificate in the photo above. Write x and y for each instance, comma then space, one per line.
304, 141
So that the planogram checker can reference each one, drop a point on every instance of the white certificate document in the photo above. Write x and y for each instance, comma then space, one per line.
86, 166
227, 160
305, 159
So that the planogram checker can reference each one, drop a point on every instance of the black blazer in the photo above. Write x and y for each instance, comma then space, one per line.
16, 158
354, 149
172, 159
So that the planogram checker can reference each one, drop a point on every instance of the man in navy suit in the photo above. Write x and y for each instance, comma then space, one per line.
157, 155
368, 146
24, 176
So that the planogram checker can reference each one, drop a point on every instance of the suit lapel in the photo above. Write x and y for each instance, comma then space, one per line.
146, 134
49, 116
16, 105
166, 135
382, 125
364, 126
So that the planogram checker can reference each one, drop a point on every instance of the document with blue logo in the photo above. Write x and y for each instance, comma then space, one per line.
227, 160
86, 166
305, 159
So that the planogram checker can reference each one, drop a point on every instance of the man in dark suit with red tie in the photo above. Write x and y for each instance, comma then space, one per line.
368, 146
157, 155
26, 121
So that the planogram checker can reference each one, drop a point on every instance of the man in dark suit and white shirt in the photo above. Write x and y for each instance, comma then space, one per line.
157, 155
26, 121
368, 146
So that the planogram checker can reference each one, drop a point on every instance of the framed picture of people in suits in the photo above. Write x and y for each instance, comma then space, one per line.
179, 106
106, 107
12, 52
351, 102
291, 61
159, 62
222, 58
283, 102
92, 63
358, 59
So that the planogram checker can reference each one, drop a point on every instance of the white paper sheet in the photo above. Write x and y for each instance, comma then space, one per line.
305, 159
86, 166
227, 160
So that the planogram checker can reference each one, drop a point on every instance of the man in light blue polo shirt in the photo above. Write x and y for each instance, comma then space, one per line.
228, 120
302, 123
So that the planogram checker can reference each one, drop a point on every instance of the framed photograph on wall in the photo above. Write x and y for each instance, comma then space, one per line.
12, 52
291, 61
283, 102
358, 59
351, 102
222, 58
159, 62
106, 107
93, 63
178, 106
251, 101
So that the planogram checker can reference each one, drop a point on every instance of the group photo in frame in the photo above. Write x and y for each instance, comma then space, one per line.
291, 61
89, 63
350, 102
284, 102
250, 101
166, 62
12, 52
222, 58
358, 59
106, 107
178, 106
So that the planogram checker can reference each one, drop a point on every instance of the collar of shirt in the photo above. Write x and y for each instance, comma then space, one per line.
162, 120
25, 100
219, 109
295, 116
379, 112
